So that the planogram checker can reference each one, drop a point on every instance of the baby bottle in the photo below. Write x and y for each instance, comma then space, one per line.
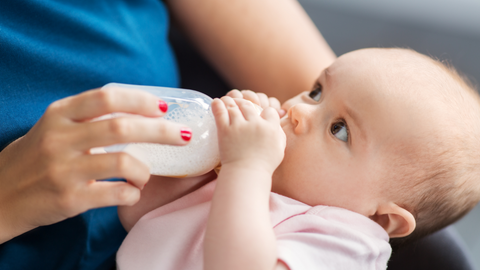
187, 107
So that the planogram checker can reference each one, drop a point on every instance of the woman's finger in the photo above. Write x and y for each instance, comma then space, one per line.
98, 102
104, 193
128, 129
113, 165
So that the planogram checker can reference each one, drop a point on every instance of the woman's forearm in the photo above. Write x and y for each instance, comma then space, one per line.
268, 46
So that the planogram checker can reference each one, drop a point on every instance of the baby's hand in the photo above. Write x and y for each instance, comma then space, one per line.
260, 99
247, 139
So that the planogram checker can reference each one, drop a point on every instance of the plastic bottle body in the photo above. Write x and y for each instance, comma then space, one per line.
188, 107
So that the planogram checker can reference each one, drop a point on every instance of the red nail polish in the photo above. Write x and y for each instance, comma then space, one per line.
162, 105
186, 134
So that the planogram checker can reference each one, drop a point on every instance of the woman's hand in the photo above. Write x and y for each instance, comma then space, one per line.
260, 99
50, 175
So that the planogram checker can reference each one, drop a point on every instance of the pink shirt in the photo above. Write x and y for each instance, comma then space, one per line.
320, 237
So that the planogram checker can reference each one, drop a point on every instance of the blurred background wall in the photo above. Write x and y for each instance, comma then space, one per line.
446, 29
442, 15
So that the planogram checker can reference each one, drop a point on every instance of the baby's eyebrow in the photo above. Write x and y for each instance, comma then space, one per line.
327, 71
327, 74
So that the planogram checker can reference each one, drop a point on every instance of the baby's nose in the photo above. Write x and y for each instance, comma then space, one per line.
299, 115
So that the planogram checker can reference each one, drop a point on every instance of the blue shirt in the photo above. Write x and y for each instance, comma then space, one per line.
50, 49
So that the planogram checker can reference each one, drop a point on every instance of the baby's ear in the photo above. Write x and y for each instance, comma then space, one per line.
397, 221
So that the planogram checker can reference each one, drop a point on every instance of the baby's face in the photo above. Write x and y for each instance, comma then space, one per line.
341, 136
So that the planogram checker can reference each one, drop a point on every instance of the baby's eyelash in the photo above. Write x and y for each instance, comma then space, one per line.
316, 86
316, 93
340, 130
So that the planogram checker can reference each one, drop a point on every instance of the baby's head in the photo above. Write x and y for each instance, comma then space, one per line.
390, 134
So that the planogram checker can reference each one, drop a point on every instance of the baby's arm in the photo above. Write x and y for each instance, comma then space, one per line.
239, 232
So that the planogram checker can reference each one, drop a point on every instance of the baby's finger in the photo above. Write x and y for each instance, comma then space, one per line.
274, 103
233, 111
247, 108
118, 165
252, 96
129, 129
263, 99
235, 93
220, 113
95, 103
270, 114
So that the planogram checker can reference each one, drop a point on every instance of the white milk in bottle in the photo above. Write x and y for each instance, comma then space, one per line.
192, 109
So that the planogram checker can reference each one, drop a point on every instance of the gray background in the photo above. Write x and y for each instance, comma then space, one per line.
446, 29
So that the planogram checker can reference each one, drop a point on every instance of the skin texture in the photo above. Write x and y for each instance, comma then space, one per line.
319, 167
265, 45
60, 180
251, 147
379, 112
161, 190
268, 46
389, 105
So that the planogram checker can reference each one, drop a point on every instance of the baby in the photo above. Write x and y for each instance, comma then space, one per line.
384, 146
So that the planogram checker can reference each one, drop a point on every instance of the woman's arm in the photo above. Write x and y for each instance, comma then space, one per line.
239, 232
268, 46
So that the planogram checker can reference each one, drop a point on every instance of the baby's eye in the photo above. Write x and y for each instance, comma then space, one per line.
340, 130
316, 92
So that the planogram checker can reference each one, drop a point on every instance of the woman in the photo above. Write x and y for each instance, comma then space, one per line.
52, 213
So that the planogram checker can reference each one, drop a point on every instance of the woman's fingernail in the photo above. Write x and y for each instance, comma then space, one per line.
186, 134
162, 105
